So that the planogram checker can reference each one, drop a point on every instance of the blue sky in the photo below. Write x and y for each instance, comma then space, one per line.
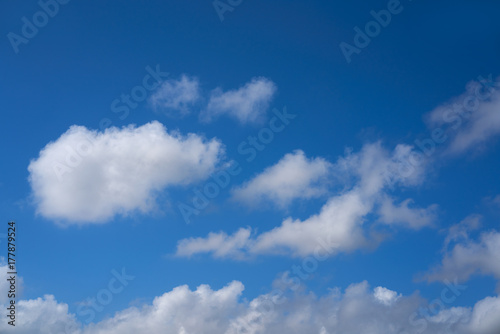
386, 165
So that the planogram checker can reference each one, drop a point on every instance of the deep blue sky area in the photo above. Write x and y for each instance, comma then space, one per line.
91, 52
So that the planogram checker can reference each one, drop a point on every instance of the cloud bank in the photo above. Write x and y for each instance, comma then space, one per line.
357, 309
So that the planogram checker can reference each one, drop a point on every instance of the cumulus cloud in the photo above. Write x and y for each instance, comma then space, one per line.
385, 296
484, 318
341, 225
293, 177
357, 309
466, 256
247, 104
176, 96
472, 119
42, 315
87, 176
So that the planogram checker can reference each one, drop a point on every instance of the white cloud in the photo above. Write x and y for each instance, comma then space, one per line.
336, 228
42, 315
220, 244
355, 310
340, 226
248, 104
468, 257
176, 95
485, 317
86, 176
415, 218
294, 176
385, 296
472, 119
461, 230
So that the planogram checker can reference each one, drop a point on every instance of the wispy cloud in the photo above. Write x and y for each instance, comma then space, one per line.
464, 257
247, 104
402, 213
472, 119
176, 97
339, 226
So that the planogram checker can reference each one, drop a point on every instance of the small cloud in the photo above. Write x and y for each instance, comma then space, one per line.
385, 296
176, 97
293, 177
219, 244
472, 119
415, 218
247, 104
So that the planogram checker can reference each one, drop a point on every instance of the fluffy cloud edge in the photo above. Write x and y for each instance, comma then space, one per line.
294, 176
86, 176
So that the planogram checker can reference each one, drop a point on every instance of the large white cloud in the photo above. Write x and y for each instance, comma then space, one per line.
470, 120
358, 309
176, 97
247, 104
88, 176
340, 224
294, 176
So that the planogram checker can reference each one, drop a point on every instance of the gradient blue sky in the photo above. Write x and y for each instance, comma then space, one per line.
91, 52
